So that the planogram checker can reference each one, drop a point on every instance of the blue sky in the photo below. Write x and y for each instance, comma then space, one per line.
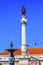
10, 26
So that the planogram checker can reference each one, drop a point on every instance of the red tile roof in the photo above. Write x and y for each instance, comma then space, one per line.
35, 50
29, 51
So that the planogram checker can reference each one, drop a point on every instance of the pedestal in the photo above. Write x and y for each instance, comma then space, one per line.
24, 60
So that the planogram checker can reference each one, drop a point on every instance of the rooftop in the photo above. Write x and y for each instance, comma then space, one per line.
29, 51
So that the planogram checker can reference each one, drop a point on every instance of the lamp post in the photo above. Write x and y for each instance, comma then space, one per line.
11, 56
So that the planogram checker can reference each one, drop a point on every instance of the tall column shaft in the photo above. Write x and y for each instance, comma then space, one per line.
23, 34
23, 22
23, 37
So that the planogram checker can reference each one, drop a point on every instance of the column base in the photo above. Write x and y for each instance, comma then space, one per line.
24, 60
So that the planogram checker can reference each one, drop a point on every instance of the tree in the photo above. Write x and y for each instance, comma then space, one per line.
0, 64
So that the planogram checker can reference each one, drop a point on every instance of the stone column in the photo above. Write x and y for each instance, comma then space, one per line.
23, 23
